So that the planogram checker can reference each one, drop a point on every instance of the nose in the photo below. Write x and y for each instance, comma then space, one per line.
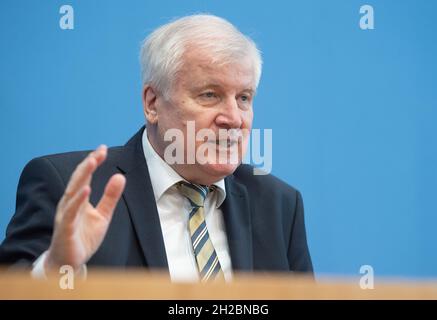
230, 115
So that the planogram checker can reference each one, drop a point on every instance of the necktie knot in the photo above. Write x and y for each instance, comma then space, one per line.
196, 193
207, 260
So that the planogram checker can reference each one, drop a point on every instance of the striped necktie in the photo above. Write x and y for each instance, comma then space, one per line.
206, 257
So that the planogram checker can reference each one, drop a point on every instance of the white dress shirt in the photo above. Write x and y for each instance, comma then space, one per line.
173, 210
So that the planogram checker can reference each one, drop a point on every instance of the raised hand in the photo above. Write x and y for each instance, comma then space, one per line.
79, 227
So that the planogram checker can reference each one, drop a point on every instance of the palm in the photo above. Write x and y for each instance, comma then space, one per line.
91, 229
80, 227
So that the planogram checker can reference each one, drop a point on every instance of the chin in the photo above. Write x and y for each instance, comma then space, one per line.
219, 171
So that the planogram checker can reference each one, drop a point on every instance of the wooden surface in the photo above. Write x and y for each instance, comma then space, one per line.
146, 285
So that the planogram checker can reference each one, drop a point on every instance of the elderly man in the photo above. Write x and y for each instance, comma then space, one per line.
130, 207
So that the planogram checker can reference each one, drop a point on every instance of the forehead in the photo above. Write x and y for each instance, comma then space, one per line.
200, 68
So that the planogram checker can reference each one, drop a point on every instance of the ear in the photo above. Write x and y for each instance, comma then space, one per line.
149, 104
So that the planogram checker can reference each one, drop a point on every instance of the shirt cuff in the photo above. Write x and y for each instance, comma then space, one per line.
39, 272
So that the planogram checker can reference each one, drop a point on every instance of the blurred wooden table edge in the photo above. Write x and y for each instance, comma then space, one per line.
140, 284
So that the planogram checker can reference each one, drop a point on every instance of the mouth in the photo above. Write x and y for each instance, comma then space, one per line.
226, 143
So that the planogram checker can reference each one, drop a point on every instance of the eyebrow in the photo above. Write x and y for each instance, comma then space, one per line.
217, 86
209, 85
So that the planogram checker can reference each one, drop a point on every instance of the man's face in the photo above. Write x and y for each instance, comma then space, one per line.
215, 97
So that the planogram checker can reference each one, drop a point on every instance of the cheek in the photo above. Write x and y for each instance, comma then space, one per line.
173, 115
247, 118
167, 121
186, 110
204, 118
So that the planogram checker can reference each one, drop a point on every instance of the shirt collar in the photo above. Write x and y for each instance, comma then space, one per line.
163, 177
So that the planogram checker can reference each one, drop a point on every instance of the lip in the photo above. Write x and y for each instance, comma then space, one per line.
224, 143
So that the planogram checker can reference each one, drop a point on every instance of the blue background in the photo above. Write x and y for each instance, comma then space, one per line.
353, 112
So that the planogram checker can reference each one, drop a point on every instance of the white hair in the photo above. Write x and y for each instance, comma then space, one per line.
162, 51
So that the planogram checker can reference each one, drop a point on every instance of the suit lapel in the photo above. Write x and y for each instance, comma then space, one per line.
140, 200
236, 214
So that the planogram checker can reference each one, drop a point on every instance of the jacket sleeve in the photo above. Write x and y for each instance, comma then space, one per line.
298, 252
29, 232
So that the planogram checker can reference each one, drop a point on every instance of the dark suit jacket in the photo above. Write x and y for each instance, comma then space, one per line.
263, 216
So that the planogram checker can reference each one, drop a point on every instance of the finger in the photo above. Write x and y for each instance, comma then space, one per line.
82, 174
113, 190
100, 154
71, 210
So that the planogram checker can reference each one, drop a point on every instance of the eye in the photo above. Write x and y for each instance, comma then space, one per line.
208, 98
245, 98
208, 95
